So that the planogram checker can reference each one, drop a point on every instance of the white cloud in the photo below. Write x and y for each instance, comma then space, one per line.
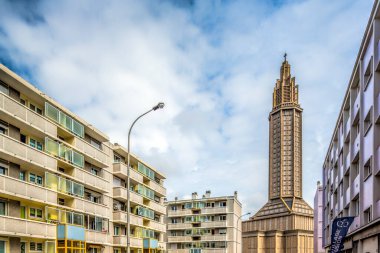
214, 64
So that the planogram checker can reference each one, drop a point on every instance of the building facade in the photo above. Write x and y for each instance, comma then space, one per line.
63, 183
285, 223
207, 224
318, 222
351, 170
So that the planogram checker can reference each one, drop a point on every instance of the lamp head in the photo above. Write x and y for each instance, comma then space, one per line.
158, 106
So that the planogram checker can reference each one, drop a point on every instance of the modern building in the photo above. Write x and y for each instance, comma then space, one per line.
62, 182
351, 170
285, 222
207, 224
318, 214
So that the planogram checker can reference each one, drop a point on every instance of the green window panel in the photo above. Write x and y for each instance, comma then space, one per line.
64, 152
146, 171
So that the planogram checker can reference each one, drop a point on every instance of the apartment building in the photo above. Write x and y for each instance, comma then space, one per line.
318, 222
63, 183
351, 170
207, 224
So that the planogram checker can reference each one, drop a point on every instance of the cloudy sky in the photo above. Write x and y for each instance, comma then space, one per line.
213, 63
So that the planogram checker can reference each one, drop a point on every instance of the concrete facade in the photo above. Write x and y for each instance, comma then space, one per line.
207, 224
351, 170
56, 169
285, 222
318, 222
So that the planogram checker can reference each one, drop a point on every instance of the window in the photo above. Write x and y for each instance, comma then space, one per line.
116, 158
3, 170
95, 143
23, 138
35, 213
3, 127
94, 171
174, 208
21, 175
92, 250
4, 88
367, 168
222, 231
356, 207
35, 179
35, 108
116, 230
222, 204
22, 101
3, 207
116, 250
368, 215
35, 144
222, 217
34, 246
174, 221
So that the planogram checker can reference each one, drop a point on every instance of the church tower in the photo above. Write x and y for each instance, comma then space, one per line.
285, 222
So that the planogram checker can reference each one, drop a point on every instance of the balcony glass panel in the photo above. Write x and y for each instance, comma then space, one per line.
145, 212
146, 171
64, 185
64, 120
64, 152
144, 191
64, 217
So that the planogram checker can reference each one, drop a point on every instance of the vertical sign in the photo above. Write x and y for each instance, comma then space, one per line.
339, 231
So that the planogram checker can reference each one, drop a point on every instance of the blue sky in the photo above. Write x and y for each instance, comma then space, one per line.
214, 64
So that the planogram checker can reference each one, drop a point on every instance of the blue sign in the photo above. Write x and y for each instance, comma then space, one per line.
339, 231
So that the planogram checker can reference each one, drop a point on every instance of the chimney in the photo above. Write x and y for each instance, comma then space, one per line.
208, 194
194, 195
176, 198
235, 194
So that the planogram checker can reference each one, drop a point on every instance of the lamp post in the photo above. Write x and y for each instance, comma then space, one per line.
156, 107
237, 229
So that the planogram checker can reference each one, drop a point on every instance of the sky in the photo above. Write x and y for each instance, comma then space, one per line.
213, 63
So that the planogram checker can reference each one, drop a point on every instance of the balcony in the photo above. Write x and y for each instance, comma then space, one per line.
355, 108
347, 163
91, 180
214, 238
172, 226
120, 193
95, 156
347, 197
22, 189
16, 110
355, 225
120, 170
98, 237
179, 239
347, 130
157, 187
356, 147
90, 207
214, 210
175, 213
21, 227
121, 217
22, 153
122, 241
157, 207
157, 226
214, 224
356, 186
377, 165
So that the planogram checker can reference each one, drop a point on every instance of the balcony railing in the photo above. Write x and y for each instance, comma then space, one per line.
21, 227
172, 226
90, 207
120, 193
15, 109
25, 153
157, 207
214, 238
63, 185
157, 187
92, 152
15, 187
172, 213
121, 217
214, 210
62, 151
179, 239
157, 226
98, 237
64, 120
90, 179
122, 241
120, 170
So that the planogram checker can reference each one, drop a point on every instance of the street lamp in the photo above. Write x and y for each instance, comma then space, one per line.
154, 108
237, 228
